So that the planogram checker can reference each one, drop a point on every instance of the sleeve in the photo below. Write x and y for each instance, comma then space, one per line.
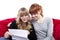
50, 30
10, 38
13, 25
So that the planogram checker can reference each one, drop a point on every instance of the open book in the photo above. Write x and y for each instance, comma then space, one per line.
19, 33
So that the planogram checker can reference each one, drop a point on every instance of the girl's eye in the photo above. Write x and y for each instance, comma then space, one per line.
26, 15
21, 15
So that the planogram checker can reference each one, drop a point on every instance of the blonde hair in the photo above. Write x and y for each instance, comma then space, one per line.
23, 11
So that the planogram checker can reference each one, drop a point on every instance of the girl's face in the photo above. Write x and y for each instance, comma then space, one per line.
35, 16
24, 18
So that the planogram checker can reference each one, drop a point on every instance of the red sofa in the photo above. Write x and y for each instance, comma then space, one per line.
56, 32
4, 27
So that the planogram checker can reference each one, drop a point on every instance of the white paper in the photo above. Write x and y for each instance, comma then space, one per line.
19, 33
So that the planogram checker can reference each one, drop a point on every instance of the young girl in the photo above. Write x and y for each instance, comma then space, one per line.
42, 25
23, 22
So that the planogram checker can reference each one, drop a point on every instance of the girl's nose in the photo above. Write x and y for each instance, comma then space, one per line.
33, 15
24, 16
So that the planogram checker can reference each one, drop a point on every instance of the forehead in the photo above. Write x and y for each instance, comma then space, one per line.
21, 14
34, 13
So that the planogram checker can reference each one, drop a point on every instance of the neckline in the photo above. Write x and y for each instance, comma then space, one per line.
41, 22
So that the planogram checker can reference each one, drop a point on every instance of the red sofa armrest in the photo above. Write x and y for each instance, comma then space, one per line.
3, 25
56, 32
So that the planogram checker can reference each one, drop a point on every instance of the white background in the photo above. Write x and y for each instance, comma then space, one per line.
9, 8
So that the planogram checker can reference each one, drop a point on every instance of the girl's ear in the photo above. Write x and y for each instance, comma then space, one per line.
39, 12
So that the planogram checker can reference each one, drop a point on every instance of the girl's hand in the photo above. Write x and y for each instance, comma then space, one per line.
7, 34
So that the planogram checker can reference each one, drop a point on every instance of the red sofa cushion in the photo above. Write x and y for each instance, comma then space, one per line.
56, 32
3, 25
